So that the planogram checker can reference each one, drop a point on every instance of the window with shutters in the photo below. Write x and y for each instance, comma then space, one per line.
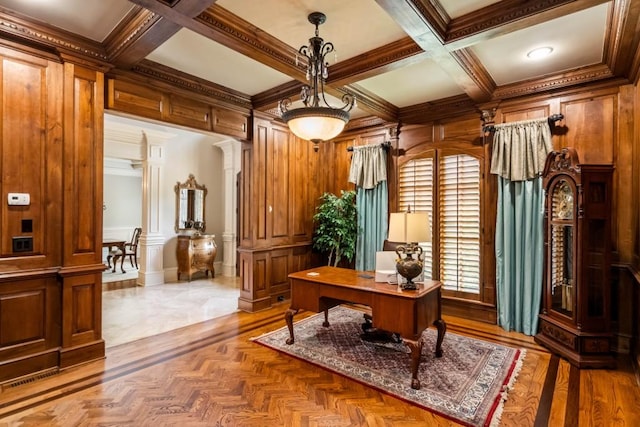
447, 186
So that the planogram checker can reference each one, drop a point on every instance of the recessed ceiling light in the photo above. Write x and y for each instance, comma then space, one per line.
540, 52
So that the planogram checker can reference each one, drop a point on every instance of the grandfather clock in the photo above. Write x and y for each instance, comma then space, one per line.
575, 321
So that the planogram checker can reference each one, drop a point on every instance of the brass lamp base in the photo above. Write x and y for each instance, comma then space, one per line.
409, 267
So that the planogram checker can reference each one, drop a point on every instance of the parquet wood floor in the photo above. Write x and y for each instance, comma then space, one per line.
211, 374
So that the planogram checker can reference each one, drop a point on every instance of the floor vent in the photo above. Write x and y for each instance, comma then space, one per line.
30, 378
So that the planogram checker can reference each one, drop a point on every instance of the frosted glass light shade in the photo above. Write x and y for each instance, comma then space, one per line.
407, 227
316, 123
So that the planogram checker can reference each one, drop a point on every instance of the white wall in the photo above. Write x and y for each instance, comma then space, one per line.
192, 154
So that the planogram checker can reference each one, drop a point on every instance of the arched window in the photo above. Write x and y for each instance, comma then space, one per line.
446, 185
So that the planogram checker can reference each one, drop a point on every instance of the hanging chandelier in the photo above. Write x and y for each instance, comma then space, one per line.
317, 121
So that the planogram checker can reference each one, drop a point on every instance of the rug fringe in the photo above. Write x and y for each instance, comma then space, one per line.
497, 414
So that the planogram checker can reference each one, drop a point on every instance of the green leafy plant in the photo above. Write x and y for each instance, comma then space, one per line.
336, 229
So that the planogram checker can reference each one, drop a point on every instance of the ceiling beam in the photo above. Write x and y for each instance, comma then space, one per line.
413, 17
146, 28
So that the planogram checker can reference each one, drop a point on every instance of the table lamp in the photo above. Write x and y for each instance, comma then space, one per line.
409, 228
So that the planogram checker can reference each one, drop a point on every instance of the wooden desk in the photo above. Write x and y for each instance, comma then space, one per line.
117, 244
407, 313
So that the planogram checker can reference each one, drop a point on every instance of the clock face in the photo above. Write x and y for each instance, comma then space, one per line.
563, 201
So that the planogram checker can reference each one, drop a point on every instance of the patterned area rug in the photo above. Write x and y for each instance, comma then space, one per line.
468, 384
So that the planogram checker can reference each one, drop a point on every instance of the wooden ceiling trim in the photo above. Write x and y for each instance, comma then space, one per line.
237, 34
368, 102
16, 27
151, 72
377, 61
553, 82
508, 16
137, 35
474, 69
622, 43
270, 98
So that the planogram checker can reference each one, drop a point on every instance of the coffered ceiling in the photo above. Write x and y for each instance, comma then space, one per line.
402, 58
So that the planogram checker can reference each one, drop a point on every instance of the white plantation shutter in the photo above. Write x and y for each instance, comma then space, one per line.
416, 192
459, 231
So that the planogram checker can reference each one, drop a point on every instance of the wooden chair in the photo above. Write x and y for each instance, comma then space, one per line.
130, 250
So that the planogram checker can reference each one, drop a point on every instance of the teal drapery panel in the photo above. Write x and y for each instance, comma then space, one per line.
518, 158
519, 254
372, 219
369, 172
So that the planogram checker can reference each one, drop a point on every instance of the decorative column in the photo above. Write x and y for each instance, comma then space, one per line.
152, 240
231, 150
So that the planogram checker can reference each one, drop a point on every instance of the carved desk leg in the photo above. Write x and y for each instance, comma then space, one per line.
416, 352
288, 317
326, 318
442, 328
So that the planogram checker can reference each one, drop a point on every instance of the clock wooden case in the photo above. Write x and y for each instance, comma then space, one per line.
575, 319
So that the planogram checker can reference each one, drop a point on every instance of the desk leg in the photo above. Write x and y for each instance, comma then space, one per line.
288, 317
442, 328
416, 352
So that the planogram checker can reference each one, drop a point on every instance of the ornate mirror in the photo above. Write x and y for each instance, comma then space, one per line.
190, 198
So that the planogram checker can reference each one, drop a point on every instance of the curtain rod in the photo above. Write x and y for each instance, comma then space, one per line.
385, 145
551, 119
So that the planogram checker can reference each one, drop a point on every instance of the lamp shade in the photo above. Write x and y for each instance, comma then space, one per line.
409, 227
316, 123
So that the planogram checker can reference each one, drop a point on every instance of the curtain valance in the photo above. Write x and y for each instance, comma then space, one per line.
520, 149
368, 166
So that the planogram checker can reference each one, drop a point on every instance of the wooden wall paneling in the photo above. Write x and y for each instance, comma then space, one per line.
259, 183
636, 179
464, 129
82, 266
340, 164
590, 119
255, 274
83, 158
31, 154
524, 112
135, 99
245, 195
187, 112
624, 226
29, 325
81, 319
279, 184
280, 266
412, 136
230, 122
301, 173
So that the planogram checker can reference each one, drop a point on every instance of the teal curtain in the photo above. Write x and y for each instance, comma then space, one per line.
519, 153
369, 172
519, 254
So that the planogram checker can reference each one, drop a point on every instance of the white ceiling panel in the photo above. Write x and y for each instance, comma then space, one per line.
353, 26
93, 19
457, 8
421, 82
577, 40
194, 54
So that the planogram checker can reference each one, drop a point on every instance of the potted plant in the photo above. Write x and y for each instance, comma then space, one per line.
336, 229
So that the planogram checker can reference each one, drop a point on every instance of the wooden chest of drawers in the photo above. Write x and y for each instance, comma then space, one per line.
196, 253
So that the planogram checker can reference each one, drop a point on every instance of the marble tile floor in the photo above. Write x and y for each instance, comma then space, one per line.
132, 312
